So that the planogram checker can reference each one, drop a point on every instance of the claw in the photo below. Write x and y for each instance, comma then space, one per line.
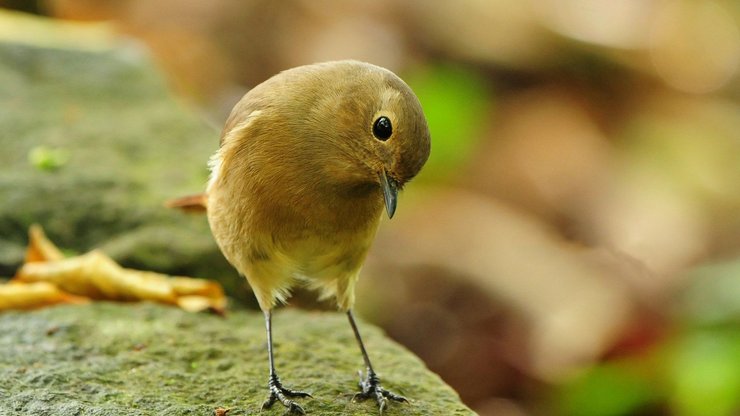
382, 405
295, 409
370, 387
282, 394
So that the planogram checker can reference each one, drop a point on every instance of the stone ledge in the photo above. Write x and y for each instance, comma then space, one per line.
146, 359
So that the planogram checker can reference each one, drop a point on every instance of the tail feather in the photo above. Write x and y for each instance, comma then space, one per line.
197, 203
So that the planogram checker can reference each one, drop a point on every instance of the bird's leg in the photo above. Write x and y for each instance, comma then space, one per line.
277, 391
370, 385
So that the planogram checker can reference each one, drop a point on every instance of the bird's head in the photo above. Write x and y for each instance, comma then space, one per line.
382, 127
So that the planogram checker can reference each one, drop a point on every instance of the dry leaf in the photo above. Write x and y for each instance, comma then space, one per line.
184, 286
72, 275
118, 283
220, 411
97, 276
202, 303
33, 295
40, 248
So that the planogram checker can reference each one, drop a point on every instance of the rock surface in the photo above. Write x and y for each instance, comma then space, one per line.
145, 359
93, 145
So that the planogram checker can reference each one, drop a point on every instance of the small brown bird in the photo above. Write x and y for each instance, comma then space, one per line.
307, 161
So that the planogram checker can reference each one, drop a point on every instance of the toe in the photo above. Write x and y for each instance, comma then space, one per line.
292, 393
382, 404
394, 397
278, 393
295, 409
268, 403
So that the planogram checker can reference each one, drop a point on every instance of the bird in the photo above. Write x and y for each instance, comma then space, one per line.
308, 160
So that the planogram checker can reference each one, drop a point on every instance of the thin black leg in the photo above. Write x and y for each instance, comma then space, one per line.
277, 391
370, 385
365, 357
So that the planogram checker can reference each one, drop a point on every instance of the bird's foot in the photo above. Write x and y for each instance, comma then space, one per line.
278, 393
371, 388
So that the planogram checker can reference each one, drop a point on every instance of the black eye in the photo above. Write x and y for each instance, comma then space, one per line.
382, 128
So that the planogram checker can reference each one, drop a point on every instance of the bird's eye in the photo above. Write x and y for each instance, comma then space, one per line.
382, 128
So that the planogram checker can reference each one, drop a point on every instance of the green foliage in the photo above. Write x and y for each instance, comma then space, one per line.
46, 158
704, 373
456, 102
703, 366
694, 372
713, 298
607, 390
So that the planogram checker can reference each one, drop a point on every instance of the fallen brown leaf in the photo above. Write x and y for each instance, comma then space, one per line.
26, 296
95, 275
220, 411
40, 248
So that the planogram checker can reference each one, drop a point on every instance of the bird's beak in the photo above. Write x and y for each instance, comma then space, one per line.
390, 193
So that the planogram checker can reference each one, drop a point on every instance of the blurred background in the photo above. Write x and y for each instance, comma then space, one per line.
573, 245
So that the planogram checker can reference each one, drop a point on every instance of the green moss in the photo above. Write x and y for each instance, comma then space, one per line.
145, 359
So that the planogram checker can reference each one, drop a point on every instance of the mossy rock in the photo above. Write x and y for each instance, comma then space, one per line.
93, 145
146, 359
